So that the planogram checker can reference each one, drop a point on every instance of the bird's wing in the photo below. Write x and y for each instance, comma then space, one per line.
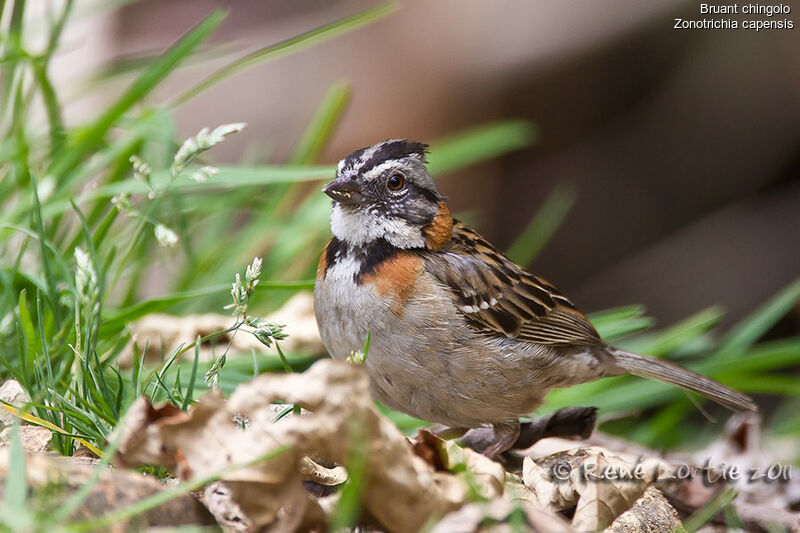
498, 297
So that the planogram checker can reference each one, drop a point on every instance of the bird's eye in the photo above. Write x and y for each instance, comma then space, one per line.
395, 182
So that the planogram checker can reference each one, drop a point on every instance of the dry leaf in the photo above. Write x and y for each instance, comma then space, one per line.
475, 472
514, 490
652, 513
598, 483
764, 477
485, 475
218, 499
161, 333
316, 473
739, 459
603, 498
762, 517
341, 414
116, 489
498, 514
548, 491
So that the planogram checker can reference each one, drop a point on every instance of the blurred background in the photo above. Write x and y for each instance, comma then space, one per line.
680, 147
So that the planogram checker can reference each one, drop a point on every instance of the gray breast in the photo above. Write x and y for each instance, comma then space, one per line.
427, 361
343, 308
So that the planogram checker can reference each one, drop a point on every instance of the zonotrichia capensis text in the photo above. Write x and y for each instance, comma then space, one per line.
460, 334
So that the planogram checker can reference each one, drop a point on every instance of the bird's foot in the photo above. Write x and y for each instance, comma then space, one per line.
505, 435
569, 422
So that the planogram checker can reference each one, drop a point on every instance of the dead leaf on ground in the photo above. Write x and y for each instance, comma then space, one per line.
314, 472
768, 493
597, 483
218, 499
479, 473
341, 413
652, 513
499, 515
116, 489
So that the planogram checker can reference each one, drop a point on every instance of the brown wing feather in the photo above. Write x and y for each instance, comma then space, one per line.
498, 297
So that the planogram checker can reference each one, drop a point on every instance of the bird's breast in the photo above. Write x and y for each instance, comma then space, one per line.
360, 290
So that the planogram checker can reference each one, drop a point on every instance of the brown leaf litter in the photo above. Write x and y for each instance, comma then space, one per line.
405, 486
59, 477
285, 474
761, 506
271, 492
401, 491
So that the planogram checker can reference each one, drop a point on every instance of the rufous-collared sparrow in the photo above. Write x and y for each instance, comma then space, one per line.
459, 334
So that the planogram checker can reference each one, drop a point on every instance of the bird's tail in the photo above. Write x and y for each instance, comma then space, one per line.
658, 369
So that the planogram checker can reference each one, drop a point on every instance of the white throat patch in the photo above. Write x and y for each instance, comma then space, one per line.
358, 227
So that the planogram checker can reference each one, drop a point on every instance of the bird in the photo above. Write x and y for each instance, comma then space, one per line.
459, 334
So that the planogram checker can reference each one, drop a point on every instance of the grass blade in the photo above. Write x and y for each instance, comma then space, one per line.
52, 107
228, 177
286, 366
36, 421
52, 290
187, 399
288, 46
543, 225
479, 144
136, 92
677, 336
16, 490
316, 135
348, 508
33, 348
752, 327
707, 512
618, 322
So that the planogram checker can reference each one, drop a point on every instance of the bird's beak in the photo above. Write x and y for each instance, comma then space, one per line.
346, 190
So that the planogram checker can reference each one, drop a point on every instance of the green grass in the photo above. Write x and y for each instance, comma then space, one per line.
736, 358
63, 314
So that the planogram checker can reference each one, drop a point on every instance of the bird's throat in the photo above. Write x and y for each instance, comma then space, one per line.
361, 227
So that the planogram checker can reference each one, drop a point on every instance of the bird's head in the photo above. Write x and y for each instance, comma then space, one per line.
385, 192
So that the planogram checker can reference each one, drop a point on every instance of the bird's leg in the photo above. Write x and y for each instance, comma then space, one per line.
568, 422
505, 435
